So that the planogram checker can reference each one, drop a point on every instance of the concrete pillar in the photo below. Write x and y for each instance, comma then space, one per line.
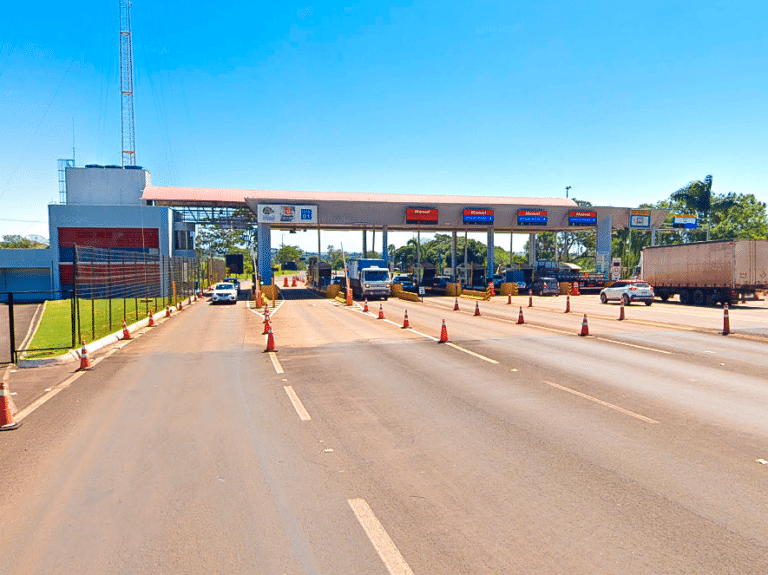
653, 237
511, 246
319, 245
532, 250
454, 260
264, 240
491, 267
603, 245
385, 244
365, 243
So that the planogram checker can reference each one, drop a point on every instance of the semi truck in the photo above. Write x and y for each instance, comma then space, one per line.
318, 274
706, 273
369, 278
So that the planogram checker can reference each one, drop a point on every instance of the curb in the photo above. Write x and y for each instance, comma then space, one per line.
74, 354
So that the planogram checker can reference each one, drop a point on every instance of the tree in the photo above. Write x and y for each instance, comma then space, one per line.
16, 242
745, 218
697, 198
288, 254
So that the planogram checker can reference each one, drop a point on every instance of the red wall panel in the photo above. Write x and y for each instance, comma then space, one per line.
110, 237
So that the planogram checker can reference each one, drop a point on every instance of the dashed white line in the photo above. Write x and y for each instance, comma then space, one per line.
601, 402
297, 405
381, 541
276, 362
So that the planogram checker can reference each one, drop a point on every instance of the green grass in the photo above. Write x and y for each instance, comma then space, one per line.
54, 334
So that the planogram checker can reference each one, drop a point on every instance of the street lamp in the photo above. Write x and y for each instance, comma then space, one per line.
566, 190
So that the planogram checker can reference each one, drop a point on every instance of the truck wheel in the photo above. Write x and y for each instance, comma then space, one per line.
648, 303
698, 297
664, 297
603, 298
685, 297
625, 299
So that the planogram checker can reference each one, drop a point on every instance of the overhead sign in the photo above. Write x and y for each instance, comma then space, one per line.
421, 215
688, 222
478, 216
640, 219
286, 214
581, 218
531, 217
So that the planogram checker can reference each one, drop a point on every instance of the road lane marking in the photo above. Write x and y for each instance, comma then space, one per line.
634, 345
297, 405
381, 541
48, 396
276, 362
601, 402
472, 353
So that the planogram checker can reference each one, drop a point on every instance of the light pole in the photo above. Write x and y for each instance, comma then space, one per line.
566, 191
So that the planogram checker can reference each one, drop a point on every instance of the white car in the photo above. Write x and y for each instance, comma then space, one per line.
628, 291
224, 293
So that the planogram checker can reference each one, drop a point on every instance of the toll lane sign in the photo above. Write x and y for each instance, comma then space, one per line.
640, 219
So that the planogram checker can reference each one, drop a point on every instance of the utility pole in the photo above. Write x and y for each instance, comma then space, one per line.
566, 191
126, 86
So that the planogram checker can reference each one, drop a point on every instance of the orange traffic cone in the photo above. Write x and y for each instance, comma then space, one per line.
509, 299
456, 305
530, 301
126, 333
267, 325
491, 289
270, 342
151, 319
584, 326
520, 318
406, 325
443, 334
167, 311
259, 302
381, 312
365, 306
6, 419
567, 303
85, 361
621, 310
293, 283
285, 281
726, 320
180, 306
575, 289
477, 308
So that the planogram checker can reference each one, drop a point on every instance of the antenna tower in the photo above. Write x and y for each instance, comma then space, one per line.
126, 85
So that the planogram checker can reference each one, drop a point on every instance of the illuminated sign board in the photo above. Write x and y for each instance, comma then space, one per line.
580, 218
286, 214
478, 216
640, 219
688, 222
421, 215
531, 217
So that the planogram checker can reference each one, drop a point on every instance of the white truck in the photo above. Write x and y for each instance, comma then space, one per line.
706, 273
369, 278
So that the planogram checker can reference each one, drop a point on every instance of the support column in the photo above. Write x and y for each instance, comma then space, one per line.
490, 267
653, 237
603, 246
454, 261
264, 239
365, 243
532, 249
511, 246
385, 245
319, 246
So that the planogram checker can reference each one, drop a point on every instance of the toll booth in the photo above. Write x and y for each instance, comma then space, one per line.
424, 274
318, 274
471, 276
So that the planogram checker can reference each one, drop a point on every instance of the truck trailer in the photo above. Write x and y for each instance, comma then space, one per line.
369, 278
707, 273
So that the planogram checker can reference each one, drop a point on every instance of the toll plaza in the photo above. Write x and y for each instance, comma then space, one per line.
454, 214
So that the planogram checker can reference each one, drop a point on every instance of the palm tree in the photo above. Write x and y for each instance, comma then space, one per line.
697, 197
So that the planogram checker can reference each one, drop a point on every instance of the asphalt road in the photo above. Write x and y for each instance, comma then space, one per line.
363, 448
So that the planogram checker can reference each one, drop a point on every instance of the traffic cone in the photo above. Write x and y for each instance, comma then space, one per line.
621, 310
584, 326
509, 299
520, 318
443, 334
267, 325
270, 342
567, 303
477, 308
293, 283
743, 297
575, 289
456, 305
6, 419
167, 310
530, 301
126, 333
285, 281
406, 325
180, 306
491, 289
365, 306
85, 361
381, 312
726, 320
259, 302
151, 319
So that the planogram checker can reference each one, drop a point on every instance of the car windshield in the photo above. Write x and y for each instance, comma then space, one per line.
220, 287
641, 285
376, 276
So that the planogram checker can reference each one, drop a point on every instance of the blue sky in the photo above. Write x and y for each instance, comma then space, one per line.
624, 101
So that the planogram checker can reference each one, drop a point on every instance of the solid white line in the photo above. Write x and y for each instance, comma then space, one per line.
389, 554
48, 396
472, 353
634, 345
276, 362
297, 405
601, 402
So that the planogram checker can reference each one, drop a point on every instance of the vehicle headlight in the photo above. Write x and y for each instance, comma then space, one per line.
367, 285
387, 284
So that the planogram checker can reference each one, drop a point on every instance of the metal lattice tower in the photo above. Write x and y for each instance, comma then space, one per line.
126, 85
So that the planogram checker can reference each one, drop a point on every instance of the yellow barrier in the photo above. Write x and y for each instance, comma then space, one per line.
565, 288
510, 289
395, 288
475, 294
333, 290
268, 293
406, 295
453, 290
